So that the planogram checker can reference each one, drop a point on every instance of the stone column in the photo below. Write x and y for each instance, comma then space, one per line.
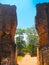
42, 26
8, 24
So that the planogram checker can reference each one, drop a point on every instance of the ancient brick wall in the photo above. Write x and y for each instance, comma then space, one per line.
42, 26
8, 24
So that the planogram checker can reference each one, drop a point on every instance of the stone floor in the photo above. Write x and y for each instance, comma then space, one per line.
28, 60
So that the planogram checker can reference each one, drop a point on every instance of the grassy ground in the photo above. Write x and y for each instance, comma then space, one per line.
20, 58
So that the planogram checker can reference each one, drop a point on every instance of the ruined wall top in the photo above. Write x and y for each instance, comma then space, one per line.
8, 20
42, 22
7, 8
42, 8
7, 12
42, 4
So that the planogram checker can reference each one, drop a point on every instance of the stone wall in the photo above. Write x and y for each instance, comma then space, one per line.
42, 26
8, 24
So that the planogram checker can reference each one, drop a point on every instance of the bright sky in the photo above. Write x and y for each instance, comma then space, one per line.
26, 11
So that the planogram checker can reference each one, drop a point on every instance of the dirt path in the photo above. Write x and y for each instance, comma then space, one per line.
28, 60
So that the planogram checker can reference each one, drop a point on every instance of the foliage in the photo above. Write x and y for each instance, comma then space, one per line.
20, 44
20, 58
19, 41
31, 30
20, 31
26, 49
32, 39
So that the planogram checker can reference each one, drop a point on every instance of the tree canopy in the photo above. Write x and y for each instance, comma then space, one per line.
32, 39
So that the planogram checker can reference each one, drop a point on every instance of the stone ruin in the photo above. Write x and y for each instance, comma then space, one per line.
8, 23
42, 26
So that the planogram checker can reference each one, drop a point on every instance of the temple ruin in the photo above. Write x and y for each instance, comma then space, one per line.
42, 26
8, 24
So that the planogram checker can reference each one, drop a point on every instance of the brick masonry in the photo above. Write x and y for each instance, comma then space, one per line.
42, 26
8, 24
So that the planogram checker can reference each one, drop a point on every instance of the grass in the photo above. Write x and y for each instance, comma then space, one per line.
20, 58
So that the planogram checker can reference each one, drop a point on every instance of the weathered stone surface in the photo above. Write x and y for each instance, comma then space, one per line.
8, 24
42, 26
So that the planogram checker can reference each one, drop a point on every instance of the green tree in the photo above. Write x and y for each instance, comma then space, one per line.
19, 41
20, 45
32, 38
31, 30
20, 31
